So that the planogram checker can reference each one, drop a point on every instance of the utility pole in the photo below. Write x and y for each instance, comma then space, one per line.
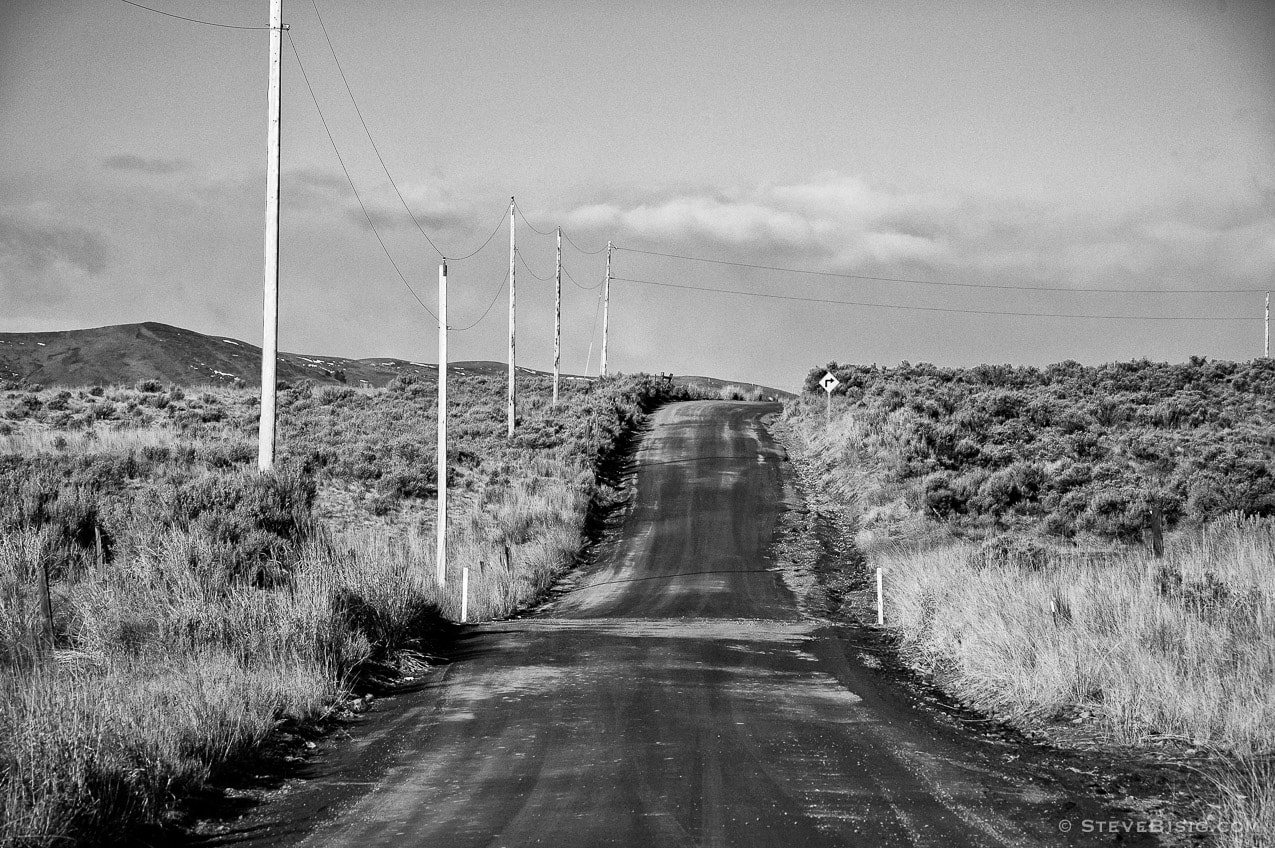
513, 391
440, 521
1266, 346
557, 316
606, 308
270, 315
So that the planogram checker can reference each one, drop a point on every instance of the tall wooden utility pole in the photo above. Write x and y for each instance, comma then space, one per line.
270, 337
1266, 346
557, 316
513, 391
606, 316
440, 521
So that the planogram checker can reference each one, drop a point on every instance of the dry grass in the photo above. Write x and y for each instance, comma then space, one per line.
1247, 791
197, 603
32, 441
1139, 647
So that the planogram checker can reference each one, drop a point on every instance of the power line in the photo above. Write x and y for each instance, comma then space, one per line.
348, 179
934, 282
371, 140
544, 279
933, 308
551, 232
380, 159
485, 311
577, 285
191, 20
528, 223
494, 230
581, 249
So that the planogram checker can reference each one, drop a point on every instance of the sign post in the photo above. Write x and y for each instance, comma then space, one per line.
829, 382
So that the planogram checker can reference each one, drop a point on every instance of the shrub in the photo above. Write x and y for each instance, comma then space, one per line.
1012, 551
940, 496
1119, 513
251, 523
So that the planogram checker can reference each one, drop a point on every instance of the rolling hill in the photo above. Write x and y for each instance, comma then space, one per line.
123, 354
126, 353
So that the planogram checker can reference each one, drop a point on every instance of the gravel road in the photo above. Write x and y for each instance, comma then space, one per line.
671, 695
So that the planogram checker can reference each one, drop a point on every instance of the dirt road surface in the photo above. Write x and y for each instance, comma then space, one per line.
673, 695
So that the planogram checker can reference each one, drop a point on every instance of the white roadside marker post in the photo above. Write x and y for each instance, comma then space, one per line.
880, 599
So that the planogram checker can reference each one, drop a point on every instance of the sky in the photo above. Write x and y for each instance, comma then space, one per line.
1022, 154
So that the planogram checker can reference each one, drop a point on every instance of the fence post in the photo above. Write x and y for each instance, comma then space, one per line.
464, 595
46, 609
1157, 532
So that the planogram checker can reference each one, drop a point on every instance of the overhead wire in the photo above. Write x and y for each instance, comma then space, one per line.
935, 308
577, 285
485, 311
551, 232
368, 132
528, 223
191, 20
546, 279
350, 180
480, 247
581, 249
935, 282
379, 158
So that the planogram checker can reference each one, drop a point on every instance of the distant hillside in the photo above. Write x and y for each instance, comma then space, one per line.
126, 353
123, 354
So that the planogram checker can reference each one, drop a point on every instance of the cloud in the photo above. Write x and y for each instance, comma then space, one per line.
43, 262
36, 245
144, 164
848, 224
842, 220
322, 192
